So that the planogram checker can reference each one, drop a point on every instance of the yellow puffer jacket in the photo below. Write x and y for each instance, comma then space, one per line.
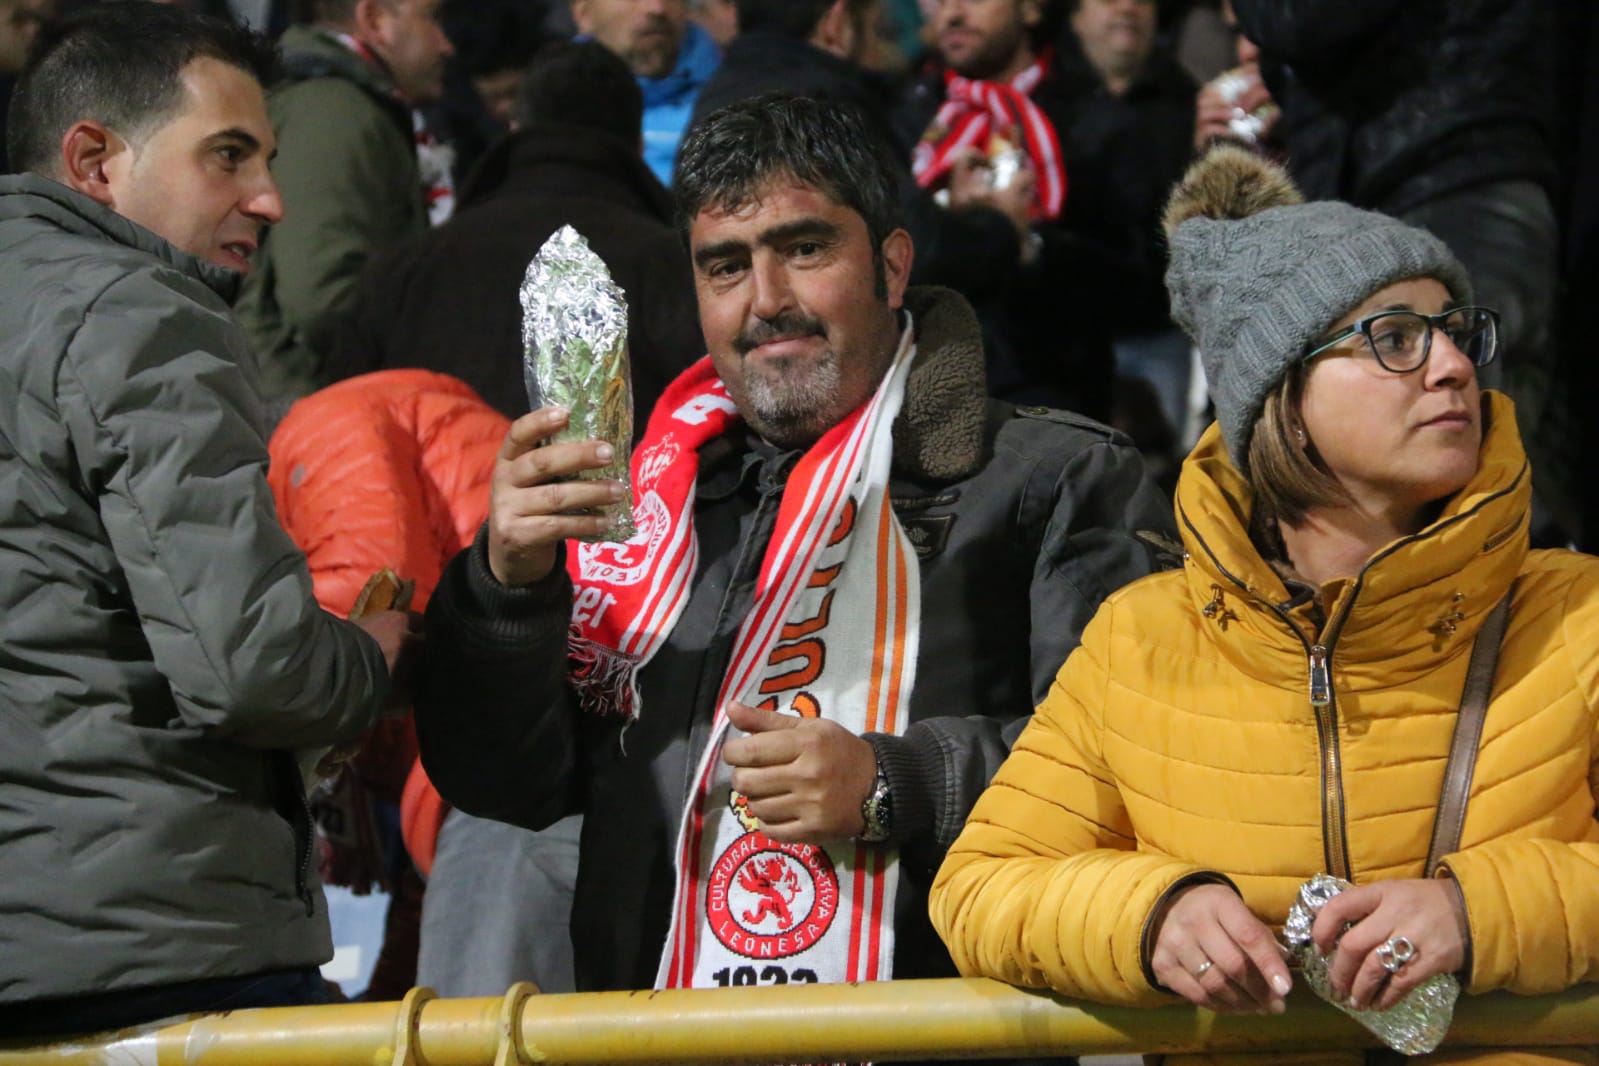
1180, 737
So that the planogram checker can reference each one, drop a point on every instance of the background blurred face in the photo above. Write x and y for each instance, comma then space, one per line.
1117, 35
19, 25
201, 180
985, 38
645, 33
1395, 441
407, 35
797, 311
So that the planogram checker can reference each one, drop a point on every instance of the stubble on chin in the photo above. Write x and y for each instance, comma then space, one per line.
789, 402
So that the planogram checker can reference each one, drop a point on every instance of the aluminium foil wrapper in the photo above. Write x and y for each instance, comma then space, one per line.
574, 344
1413, 1026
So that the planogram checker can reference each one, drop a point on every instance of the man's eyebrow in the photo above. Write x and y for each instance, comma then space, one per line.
707, 254
810, 226
234, 133
782, 233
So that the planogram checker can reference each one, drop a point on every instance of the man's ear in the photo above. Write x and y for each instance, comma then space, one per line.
371, 22
580, 16
898, 254
1032, 13
87, 149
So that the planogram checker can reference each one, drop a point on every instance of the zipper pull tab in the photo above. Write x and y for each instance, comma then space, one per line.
1320, 683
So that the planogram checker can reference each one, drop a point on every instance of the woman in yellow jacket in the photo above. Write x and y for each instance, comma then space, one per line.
1284, 704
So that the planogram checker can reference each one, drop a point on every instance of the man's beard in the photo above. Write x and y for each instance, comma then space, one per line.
790, 399
993, 55
656, 55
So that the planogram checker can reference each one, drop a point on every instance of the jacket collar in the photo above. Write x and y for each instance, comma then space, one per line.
1418, 600
33, 196
941, 431
316, 52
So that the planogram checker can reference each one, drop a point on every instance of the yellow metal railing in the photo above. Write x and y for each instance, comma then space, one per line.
891, 1021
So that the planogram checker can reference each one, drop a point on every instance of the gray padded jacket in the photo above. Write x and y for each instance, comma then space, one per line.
160, 648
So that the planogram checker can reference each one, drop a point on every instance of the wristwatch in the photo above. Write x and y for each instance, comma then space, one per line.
877, 811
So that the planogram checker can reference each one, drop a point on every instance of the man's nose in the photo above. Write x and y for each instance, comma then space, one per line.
265, 202
772, 294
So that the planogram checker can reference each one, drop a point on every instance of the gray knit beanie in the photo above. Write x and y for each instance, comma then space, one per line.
1256, 275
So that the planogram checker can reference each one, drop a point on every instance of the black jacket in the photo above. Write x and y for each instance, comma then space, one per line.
1123, 155
1046, 334
1024, 520
447, 300
1391, 103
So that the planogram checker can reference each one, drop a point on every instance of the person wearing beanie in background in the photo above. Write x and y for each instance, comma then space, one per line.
1286, 703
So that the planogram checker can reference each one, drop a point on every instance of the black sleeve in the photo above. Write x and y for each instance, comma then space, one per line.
495, 719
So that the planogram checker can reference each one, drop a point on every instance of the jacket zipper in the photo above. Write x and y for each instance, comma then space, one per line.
1323, 700
1335, 848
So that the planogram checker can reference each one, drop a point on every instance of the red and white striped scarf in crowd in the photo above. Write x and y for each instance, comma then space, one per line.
832, 633
992, 117
435, 160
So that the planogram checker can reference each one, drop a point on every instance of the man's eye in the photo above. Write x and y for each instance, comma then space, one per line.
231, 154
804, 248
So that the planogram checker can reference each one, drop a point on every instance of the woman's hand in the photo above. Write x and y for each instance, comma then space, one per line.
1429, 913
1211, 950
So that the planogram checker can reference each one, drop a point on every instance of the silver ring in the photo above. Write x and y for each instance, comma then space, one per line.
1397, 951
1202, 969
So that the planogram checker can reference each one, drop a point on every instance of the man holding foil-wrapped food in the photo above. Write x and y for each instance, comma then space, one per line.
853, 576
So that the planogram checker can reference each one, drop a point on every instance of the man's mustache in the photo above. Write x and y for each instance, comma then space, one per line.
784, 327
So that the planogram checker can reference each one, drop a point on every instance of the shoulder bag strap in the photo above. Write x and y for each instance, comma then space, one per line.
1468, 732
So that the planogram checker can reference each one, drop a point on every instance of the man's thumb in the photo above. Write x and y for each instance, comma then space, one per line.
754, 720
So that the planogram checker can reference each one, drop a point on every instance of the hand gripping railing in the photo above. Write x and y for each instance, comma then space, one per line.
885, 1022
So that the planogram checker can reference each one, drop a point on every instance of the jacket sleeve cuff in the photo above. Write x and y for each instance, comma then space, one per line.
910, 769
1158, 912
500, 614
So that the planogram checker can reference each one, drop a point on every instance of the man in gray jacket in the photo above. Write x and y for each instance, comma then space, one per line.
161, 656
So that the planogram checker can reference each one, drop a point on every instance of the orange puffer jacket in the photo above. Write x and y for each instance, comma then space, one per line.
386, 470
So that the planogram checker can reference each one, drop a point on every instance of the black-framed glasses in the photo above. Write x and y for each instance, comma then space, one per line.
1400, 341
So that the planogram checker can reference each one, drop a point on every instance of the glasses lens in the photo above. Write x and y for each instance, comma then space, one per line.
1474, 331
1398, 339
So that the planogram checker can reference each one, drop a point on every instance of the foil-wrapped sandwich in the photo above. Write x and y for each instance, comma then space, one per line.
1413, 1026
574, 343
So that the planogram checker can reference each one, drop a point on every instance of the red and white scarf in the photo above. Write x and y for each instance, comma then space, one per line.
992, 118
832, 632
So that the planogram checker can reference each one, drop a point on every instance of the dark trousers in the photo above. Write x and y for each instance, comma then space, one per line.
118, 1010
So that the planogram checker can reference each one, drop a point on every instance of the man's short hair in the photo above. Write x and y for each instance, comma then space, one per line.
583, 83
120, 64
730, 157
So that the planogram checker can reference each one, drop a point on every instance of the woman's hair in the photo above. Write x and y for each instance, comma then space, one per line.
1286, 477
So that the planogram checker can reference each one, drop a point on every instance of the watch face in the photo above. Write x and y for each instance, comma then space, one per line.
877, 812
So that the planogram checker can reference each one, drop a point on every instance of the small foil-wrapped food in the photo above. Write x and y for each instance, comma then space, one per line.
1413, 1026
574, 344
